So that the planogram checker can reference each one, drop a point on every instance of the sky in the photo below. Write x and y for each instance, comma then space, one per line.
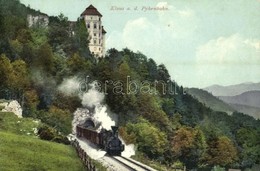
201, 42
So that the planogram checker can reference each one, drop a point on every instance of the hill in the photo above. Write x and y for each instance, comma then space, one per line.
217, 104
21, 149
250, 98
210, 100
252, 111
232, 90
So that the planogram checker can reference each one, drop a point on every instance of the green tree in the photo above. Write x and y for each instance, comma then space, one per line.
221, 152
21, 75
58, 118
24, 36
31, 102
81, 38
163, 73
103, 71
16, 47
149, 139
248, 139
137, 62
14, 77
6, 72
120, 100
189, 145
168, 106
45, 59
59, 31
152, 70
148, 106
78, 64
64, 102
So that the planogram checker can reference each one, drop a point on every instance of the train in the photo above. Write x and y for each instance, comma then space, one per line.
105, 139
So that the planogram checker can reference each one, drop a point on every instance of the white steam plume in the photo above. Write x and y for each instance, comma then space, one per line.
101, 114
69, 86
92, 98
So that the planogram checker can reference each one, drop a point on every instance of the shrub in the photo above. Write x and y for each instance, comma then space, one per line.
47, 133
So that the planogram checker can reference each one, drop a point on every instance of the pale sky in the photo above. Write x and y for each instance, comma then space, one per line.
201, 42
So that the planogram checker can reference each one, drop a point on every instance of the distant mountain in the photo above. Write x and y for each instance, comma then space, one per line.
249, 110
250, 98
232, 90
209, 100
226, 104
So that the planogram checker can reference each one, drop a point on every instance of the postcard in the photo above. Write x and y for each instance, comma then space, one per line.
129, 85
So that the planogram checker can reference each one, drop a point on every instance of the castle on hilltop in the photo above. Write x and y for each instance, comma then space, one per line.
92, 18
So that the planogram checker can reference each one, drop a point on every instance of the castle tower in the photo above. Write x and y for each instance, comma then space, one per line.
96, 31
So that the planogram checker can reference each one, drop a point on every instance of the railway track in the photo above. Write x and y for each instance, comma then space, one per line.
132, 164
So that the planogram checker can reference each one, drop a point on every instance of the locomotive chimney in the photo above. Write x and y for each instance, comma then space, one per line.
114, 129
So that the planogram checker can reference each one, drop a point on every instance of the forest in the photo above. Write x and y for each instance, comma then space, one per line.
171, 129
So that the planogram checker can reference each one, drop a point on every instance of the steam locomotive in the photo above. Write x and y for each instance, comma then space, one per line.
107, 140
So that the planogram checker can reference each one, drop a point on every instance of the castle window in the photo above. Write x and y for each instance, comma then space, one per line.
88, 25
95, 34
95, 42
95, 26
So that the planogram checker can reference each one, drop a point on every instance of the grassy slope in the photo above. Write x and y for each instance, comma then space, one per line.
21, 150
210, 100
11, 123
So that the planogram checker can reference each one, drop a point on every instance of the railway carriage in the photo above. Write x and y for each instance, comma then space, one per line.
107, 140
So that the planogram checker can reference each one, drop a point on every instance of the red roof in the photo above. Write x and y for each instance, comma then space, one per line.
91, 10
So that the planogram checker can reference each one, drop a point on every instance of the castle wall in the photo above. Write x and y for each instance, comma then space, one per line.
94, 26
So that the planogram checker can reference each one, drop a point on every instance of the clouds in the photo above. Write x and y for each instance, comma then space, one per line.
115, 40
141, 34
229, 50
226, 59
178, 23
161, 37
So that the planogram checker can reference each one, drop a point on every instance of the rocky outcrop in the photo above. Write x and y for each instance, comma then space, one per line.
12, 106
